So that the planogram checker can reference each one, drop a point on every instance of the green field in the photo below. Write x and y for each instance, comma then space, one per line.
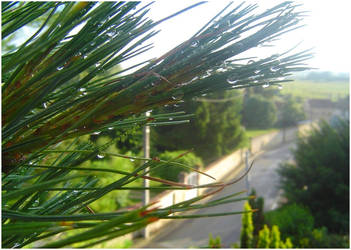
309, 89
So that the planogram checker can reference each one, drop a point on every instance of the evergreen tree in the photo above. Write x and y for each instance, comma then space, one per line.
55, 93
246, 235
264, 240
321, 171
275, 237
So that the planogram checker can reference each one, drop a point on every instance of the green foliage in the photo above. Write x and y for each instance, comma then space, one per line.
264, 239
214, 131
214, 242
246, 234
321, 172
293, 221
172, 172
271, 238
257, 217
275, 237
290, 112
321, 239
55, 91
259, 113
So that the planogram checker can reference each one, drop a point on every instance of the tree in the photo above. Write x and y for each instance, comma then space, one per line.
290, 112
321, 171
264, 240
54, 92
214, 131
246, 234
259, 113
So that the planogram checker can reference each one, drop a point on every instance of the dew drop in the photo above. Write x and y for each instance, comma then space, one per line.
96, 133
82, 89
280, 87
97, 64
131, 159
110, 128
257, 71
266, 85
232, 80
171, 119
274, 69
194, 44
45, 105
85, 57
100, 156
59, 68
92, 44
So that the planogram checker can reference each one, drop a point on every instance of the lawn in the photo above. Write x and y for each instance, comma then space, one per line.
257, 132
310, 89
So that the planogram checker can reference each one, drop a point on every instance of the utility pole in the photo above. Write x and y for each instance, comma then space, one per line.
248, 174
146, 147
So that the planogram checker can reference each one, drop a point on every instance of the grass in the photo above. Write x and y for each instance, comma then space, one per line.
310, 89
258, 132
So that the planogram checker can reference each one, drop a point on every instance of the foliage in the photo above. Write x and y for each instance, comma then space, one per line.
214, 242
172, 172
293, 221
214, 131
54, 89
259, 113
321, 172
320, 238
246, 234
290, 112
257, 203
264, 240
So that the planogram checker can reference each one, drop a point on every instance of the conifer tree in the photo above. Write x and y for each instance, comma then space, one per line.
264, 239
246, 235
55, 92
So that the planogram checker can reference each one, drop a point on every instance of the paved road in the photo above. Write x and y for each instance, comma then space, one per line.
195, 232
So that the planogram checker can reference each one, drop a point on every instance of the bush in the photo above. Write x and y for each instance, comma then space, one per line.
172, 172
293, 221
320, 178
259, 113
246, 235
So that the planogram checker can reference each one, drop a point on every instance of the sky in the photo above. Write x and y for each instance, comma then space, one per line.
326, 29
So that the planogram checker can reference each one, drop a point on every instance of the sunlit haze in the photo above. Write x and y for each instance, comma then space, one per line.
326, 29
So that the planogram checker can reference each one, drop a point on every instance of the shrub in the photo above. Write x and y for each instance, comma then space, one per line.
259, 113
320, 178
293, 221
264, 240
172, 172
246, 235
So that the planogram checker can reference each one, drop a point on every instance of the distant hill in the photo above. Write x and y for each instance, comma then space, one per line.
323, 76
